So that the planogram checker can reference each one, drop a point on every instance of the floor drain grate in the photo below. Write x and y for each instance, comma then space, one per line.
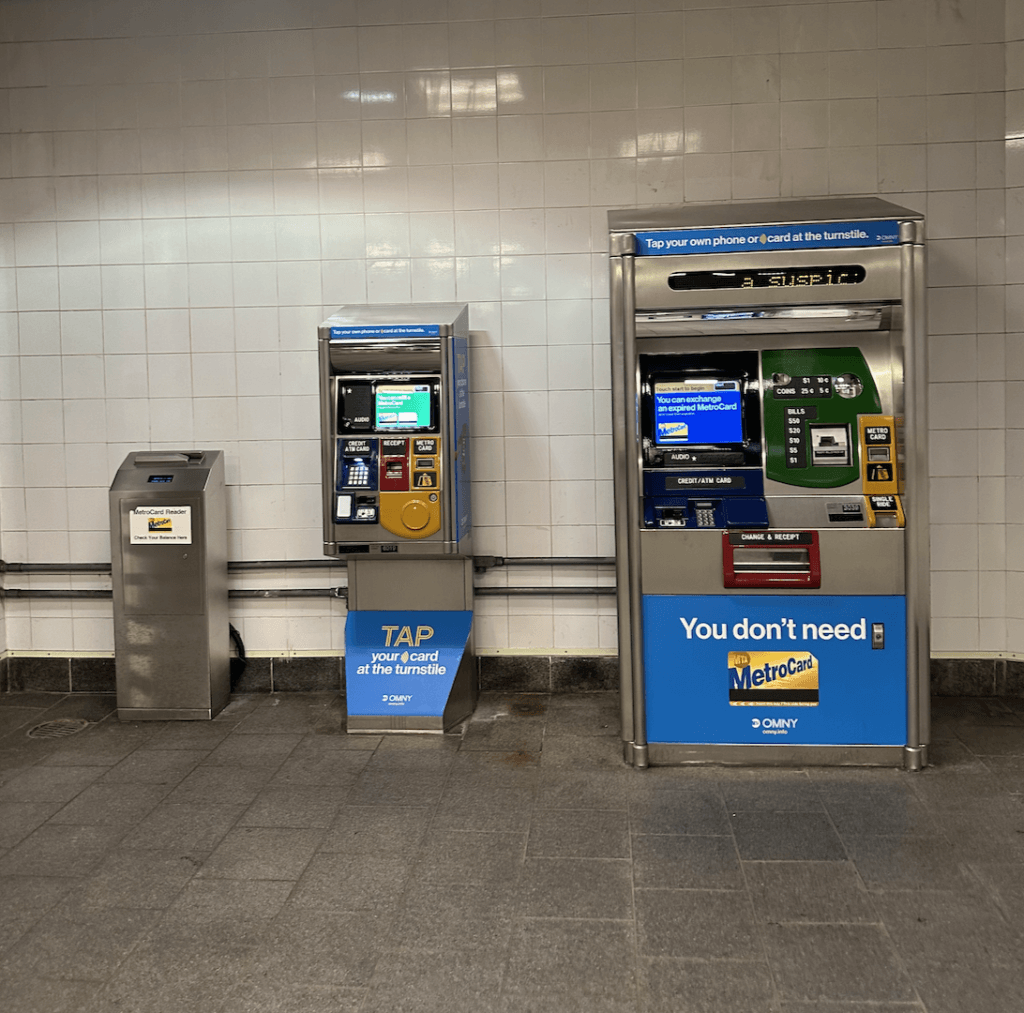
59, 728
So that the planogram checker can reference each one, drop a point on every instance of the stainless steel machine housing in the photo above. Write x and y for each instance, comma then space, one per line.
171, 631
884, 318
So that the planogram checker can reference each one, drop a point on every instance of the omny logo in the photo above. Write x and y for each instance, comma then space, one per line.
772, 679
774, 726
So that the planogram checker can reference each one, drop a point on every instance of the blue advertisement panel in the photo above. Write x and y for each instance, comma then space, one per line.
753, 669
387, 331
462, 502
809, 236
403, 661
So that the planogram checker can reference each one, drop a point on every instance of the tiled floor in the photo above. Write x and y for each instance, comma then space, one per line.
265, 861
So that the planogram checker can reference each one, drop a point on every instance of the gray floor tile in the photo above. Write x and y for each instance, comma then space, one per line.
906, 863
203, 735
214, 902
196, 826
48, 784
968, 987
377, 830
700, 811
562, 788
920, 923
576, 888
30, 995
221, 785
19, 819
690, 862
289, 997
876, 809
138, 879
319, 947
824, 1006
296, 805
703, 924
582, 752
443, 918
993, 740
583, 956
422, 981
307, 764
769, 791
700, 986
265, 860
120, 805
397, 787
289, 713
495, 768
154, 766
808, 892
60, 850
26, 899
262, 853
587, 714
787, 837
253, 750
469, 857
567, 833
466, 807
350, 883
75, 943
841, 963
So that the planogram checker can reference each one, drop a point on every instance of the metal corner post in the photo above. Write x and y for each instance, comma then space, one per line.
918, 554
627, 500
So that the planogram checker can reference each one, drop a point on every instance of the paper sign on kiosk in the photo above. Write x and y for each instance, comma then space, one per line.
160, 524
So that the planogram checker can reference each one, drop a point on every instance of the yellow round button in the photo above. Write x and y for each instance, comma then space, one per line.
415, 515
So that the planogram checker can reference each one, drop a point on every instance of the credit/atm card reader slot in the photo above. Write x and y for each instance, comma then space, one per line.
771, 559
716, 499
355, 491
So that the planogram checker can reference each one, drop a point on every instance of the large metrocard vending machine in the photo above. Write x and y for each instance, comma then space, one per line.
394, 410
769, 433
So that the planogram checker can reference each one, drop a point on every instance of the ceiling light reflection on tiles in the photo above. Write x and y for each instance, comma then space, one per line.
661, 142
370, 97
474, 95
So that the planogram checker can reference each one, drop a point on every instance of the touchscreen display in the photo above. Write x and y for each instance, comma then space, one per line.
698, 412
402, 406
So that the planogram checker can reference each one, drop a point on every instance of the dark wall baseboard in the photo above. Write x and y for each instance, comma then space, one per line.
518, 673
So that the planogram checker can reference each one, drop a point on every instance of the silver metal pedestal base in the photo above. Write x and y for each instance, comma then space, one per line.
392, 585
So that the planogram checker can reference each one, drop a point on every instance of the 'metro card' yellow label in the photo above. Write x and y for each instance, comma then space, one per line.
773, 679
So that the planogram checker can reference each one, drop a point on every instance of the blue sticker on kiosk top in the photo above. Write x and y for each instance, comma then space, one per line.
808, 236
387, 331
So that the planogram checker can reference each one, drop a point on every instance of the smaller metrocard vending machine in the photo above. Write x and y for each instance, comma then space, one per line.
769, 432
394, 410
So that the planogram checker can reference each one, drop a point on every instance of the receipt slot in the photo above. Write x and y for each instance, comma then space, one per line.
395, 429
168, 528
769, 433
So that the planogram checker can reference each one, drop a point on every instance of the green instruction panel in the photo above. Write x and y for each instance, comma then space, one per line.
811, 402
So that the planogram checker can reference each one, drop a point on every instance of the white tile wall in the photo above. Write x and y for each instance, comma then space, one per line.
186, 188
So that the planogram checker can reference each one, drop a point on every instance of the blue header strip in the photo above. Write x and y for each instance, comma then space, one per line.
388, 331
807, 236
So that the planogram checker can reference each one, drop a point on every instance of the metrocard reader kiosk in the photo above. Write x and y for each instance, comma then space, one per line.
768, 379
394, 410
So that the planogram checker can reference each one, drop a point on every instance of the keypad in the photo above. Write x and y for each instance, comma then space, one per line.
358, 474
705, 517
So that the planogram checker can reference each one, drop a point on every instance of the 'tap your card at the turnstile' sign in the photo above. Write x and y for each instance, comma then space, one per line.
403, 662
